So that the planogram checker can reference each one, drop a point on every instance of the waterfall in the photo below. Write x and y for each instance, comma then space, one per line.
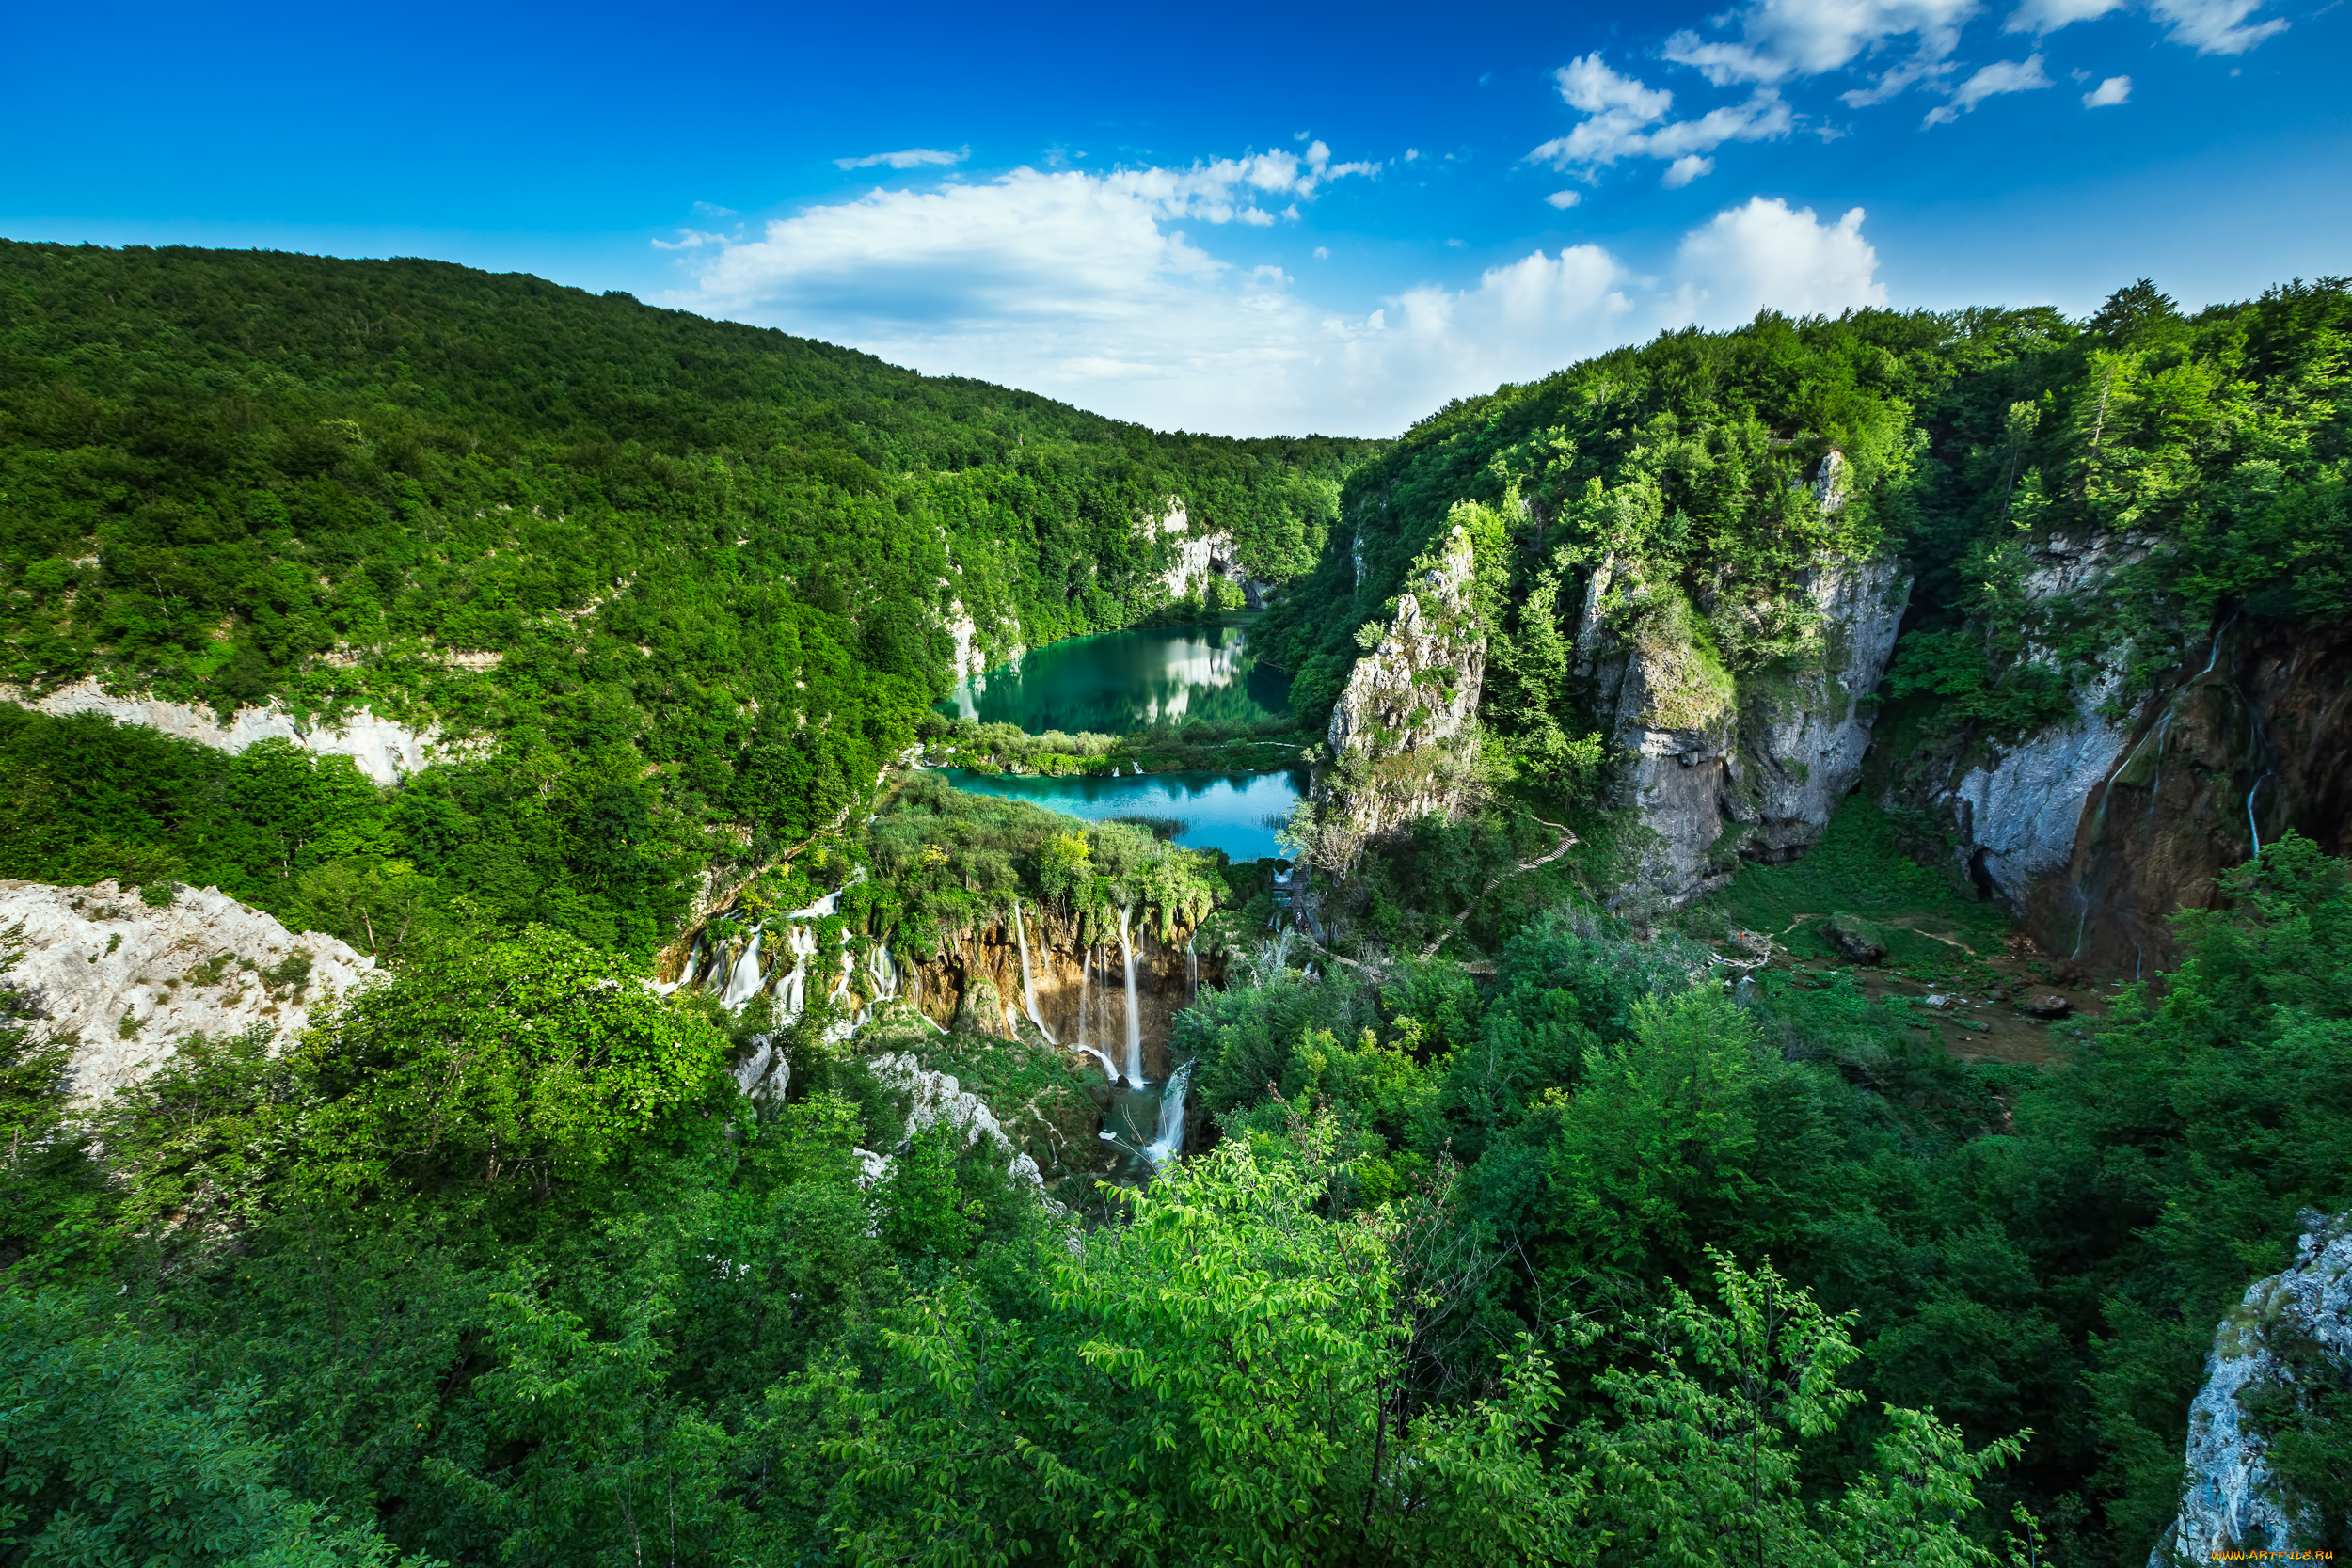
1028, 991
1086, 1015
1192, 971
1172, 1131
792, 990
1134, 1016
743, 980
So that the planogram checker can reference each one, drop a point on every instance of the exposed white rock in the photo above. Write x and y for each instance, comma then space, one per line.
384, 751
1419, 688
937, 1097
2232, 1503
1405, 732
131, 980
967, 660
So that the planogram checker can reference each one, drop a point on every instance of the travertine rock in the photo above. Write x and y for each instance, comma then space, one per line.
131, 980
1720, 769
384, 751
936, 1097
1404, 732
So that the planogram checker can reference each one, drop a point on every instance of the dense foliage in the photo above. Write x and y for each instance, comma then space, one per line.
1572, 1253
1685, 481
228, 476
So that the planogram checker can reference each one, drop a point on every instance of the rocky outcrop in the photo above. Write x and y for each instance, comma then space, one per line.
384, 751
1404, 736
131, 980
936, 1098
2096, 829
2223, 759
1203, 557
2287, 1327
1718, 768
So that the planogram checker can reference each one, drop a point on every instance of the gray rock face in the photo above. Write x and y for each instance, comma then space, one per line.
1718, 768
2017, 815
132, 981
2232, 1503
1404, 732
384, 751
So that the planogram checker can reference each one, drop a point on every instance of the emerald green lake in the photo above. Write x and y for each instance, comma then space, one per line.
1125, 681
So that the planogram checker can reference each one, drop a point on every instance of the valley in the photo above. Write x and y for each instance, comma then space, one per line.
612, 916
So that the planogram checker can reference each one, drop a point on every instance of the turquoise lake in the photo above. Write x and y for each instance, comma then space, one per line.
1236, 813
1125, 681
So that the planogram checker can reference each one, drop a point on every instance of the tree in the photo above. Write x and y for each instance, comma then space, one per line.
500, 1062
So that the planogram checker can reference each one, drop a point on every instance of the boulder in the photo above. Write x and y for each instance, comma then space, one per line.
1854, 939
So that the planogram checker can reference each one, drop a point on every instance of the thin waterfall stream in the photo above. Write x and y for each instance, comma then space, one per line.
1135, 1013
1028, 988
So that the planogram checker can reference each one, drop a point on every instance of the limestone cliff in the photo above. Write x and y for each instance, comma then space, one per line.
1717, 768
384, 751
1404, 736
2234, 1502
2095, 829
131, 980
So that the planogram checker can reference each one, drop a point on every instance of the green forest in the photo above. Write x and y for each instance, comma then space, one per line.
1513, 1228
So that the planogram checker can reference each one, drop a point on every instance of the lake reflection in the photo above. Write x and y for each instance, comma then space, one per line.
1236, 813
1125, 681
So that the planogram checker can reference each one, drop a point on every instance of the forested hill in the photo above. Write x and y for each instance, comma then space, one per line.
231, 476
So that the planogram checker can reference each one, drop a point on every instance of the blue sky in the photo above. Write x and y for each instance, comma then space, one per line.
1223, 217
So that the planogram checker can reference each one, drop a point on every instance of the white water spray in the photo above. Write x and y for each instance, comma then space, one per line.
743, 980
1171, 1130
1029, 990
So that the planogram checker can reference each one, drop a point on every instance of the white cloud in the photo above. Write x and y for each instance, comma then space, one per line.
1783, 39
2048, 16
2215, 27
1764, 253
1323, 253
1623, 112
1564, 199
711, 210
2114, 91
1102, 287
2000, 77
911, 157
689, 239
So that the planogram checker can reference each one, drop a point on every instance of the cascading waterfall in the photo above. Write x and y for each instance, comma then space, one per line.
792, 990
1163, 1148
1192, 971
1029, 990
1135, 1014
743, 980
